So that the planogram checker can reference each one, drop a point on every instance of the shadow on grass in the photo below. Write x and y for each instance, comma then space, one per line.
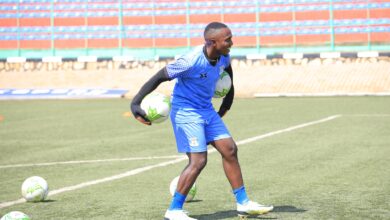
195, 200
233, 213
49, 200
288, 208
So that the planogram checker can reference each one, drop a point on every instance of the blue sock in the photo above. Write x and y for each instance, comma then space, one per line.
240, 195
177, 201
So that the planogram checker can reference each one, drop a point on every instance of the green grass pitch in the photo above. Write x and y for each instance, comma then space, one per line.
337, 169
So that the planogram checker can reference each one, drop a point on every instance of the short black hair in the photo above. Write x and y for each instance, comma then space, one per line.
213, 26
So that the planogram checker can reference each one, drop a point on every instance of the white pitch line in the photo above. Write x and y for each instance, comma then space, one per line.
103, 180
163, 164
115, 177
252, 139
368, 115
246, 141
87, 161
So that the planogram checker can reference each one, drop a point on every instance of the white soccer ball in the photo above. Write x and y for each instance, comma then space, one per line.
15, 215
35, 189
156, 106
191, 194
223, 85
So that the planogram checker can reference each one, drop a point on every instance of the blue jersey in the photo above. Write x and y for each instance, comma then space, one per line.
195, 80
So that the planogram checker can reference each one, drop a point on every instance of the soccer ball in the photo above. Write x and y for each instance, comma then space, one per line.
35, 189
223, 85
191, 194
156, 106
15, 215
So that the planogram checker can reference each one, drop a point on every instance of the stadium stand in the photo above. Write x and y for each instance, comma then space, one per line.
69, 28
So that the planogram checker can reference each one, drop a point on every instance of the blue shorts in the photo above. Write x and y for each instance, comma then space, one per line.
195, 129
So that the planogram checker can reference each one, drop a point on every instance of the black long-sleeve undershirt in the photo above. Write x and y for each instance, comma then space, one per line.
162, 76
228, 99
148, 87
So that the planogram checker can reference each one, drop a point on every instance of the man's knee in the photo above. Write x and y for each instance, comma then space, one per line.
232, 151
198, 163
227, 148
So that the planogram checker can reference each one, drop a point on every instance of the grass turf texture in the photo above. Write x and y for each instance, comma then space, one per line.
333, 170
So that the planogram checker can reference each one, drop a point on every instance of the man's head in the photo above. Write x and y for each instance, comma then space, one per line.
218, 36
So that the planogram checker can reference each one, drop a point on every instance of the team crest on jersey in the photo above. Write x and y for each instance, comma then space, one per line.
194, 142
203, 75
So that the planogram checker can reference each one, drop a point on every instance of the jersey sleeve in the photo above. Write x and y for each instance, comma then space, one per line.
179, 68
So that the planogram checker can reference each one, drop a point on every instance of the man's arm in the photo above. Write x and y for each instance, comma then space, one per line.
148, 87
228, 100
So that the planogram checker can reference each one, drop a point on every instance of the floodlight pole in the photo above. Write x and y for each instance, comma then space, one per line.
368, 18
121, 29
331, 19
18, 24
294, 26
154, 28
188, 24
86, 27
222, 12
52, 27
258, 26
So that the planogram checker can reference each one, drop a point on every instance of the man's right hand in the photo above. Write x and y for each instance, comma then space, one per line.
143, 120
140, 114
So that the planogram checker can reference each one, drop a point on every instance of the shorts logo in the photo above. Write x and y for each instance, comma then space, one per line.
194, 142
203, 75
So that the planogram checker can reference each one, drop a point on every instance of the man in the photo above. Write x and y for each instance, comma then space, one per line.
195, 122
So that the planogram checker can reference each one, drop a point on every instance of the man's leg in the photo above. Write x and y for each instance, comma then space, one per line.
228, 150
196, 163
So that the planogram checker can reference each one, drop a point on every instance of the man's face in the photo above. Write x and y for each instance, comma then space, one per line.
223, 41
